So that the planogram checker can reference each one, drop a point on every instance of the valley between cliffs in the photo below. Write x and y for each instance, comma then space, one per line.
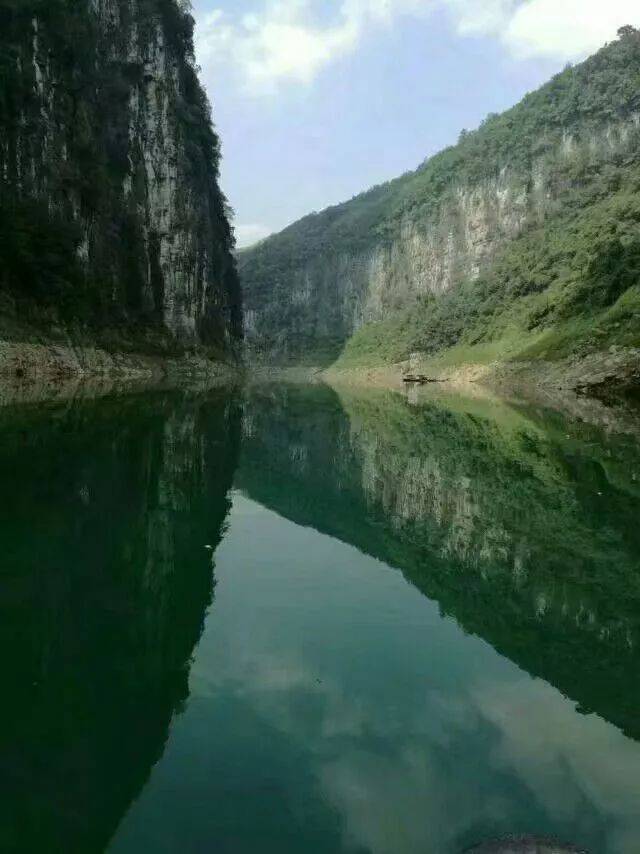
511, 259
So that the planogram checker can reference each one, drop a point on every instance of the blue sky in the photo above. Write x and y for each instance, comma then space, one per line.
317, 100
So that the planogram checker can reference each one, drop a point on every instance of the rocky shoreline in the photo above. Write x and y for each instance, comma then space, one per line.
601, 388
31, 372
611, 374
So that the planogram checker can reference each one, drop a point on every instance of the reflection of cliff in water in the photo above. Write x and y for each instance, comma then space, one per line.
105, 584
523, 527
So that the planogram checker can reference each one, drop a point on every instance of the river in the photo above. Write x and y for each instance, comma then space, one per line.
294, 619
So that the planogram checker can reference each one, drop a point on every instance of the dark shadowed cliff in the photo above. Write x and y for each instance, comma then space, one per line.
102, 600
112, 222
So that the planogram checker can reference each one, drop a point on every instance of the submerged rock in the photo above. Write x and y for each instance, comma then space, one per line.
525, 845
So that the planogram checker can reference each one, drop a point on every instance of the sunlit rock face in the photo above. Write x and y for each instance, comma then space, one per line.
106, 135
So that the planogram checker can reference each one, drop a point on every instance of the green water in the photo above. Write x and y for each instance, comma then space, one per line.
287, 620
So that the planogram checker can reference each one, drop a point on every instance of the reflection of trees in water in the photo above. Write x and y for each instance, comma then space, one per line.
522, 526
105, 585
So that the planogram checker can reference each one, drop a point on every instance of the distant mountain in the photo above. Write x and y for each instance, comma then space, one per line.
522, 241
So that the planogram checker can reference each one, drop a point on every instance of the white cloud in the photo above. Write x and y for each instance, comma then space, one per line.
478, 17
247, 235
564, 758
568, 29
285, 41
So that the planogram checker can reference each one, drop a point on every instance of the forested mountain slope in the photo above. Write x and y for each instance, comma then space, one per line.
523, 240
113, 227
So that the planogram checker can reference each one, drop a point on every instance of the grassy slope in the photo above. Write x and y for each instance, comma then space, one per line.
569, 286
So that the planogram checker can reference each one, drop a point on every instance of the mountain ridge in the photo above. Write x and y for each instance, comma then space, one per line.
365, 280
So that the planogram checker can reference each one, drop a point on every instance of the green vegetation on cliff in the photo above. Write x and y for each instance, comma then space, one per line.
523, 239
568, 286
112, 222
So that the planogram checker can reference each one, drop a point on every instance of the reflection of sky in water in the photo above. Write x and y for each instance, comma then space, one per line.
328, 697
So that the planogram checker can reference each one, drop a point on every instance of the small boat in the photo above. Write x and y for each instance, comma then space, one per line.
420, 379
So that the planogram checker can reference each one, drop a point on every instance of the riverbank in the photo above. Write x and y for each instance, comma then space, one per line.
609, 374
580, 388
602, 389
31, 372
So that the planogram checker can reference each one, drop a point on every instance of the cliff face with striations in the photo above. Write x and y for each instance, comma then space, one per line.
412, 241
111, 217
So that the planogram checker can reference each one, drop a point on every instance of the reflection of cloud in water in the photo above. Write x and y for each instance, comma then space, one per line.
565, 758
400, 803
409, 779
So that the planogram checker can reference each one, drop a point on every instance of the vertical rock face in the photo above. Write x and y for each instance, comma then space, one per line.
111, 213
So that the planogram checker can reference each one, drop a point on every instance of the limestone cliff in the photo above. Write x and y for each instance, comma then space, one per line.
434, 230
111, 217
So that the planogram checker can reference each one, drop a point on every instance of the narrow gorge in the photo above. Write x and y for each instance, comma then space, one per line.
269, 583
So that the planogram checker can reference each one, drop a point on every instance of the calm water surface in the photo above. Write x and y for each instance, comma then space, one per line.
287, 620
